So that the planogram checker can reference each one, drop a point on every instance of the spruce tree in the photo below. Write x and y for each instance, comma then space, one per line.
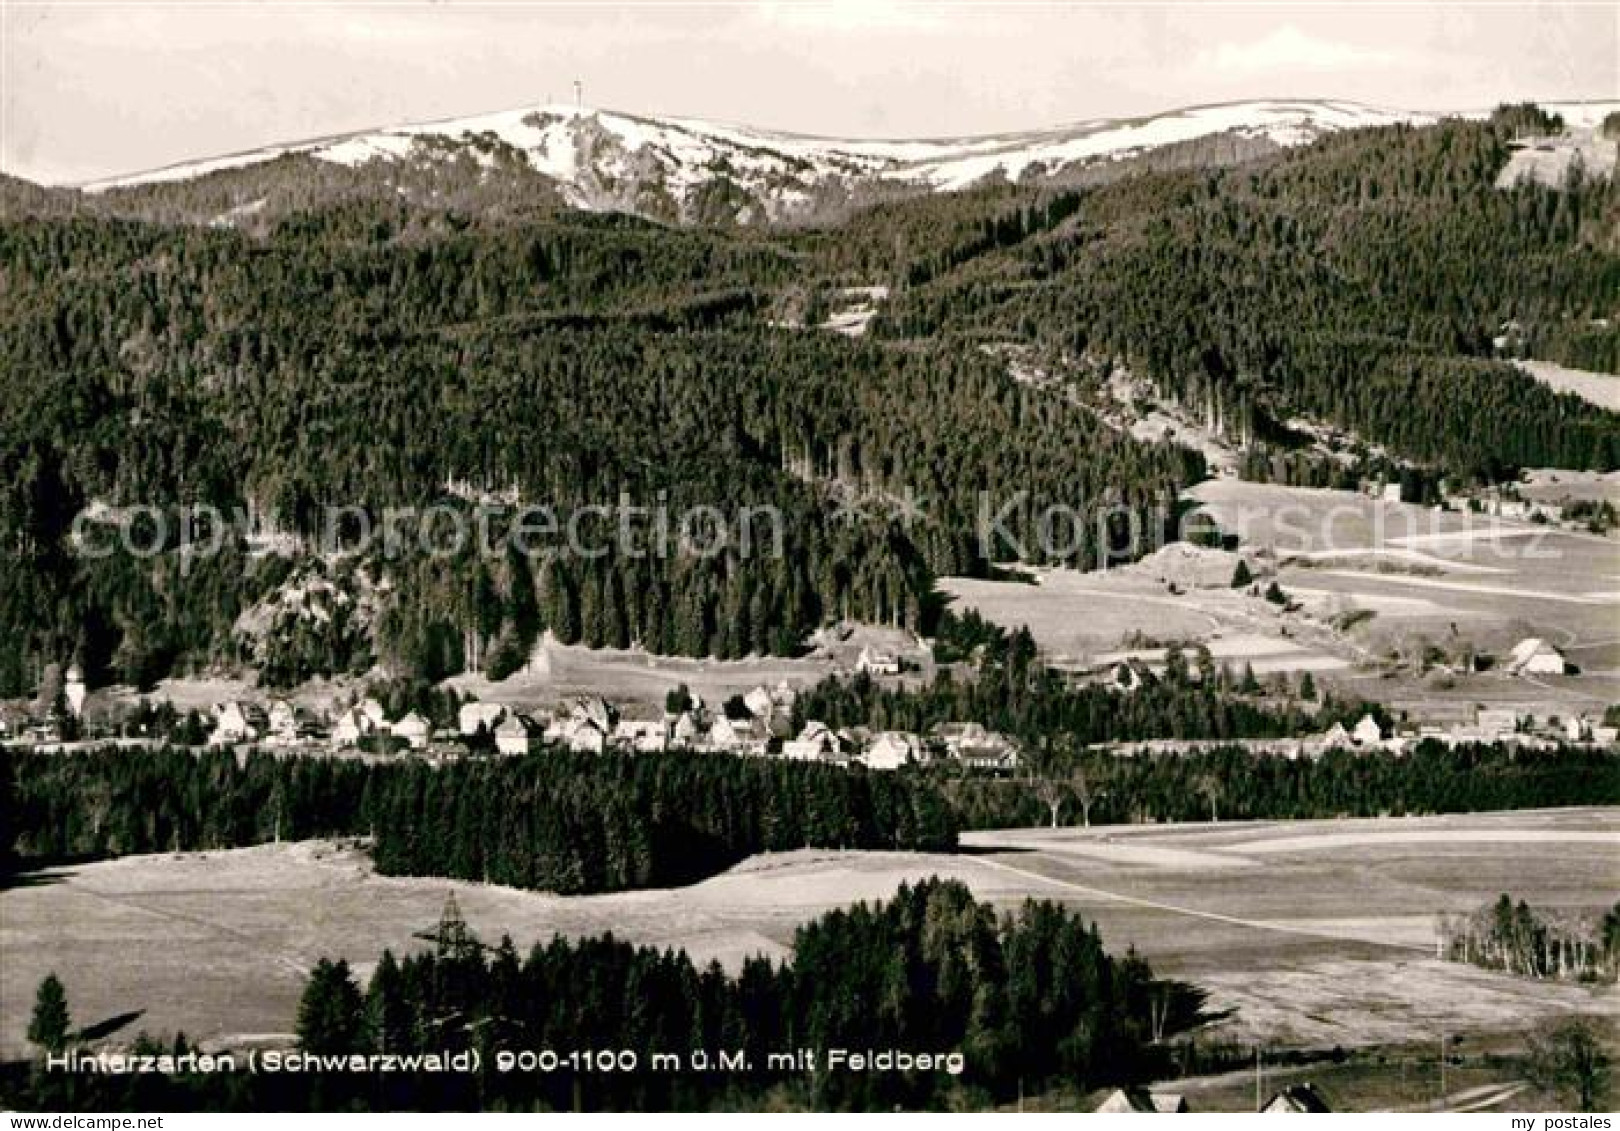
51, 1024
329, 1018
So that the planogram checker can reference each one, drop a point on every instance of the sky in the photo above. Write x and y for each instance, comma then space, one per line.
92, 88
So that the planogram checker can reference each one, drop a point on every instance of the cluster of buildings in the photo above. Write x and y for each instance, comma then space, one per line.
1365, 736
1491, 725
1527, 729
763, 728
758, 724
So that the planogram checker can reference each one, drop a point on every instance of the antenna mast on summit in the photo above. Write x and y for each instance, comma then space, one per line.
579, 95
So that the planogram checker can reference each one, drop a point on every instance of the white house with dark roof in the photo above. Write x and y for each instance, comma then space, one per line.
1534, 656
1128, 1101
415, 730
872, 661
237, 722
350, 727
815, 743
1367, 732
475, 715
891, 749
517, 734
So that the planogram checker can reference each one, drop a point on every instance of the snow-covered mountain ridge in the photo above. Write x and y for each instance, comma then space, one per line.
683, 169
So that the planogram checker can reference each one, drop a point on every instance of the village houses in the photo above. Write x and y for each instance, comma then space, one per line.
237, 722
517, 734
414, 730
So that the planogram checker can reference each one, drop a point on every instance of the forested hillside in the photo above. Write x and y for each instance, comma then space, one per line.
1360, 281
368, 348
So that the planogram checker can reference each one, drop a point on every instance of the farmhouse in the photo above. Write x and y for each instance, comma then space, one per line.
237, 722
1129, 675
13, 719
586, 736
350, 727
975, 747
892, 749
1367, 732
684, 731
289, 725
728, 734
816, 743
1296, 1099
1126, 1101
516, 734
376, 717
759, 703
1534, 656
1336, 738
414, 730
1496, 723
282, 719
597, 711
475, 715
874, 662
643, 737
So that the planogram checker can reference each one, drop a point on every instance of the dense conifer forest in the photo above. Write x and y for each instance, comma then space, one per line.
1240, 784
557, 821
363, 348
1360, 281
574, 823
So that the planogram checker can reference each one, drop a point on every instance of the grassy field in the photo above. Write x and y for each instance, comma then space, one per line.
1601, 389
1372, 580
1317, 933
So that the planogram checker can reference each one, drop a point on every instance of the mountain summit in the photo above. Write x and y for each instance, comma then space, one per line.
688, 170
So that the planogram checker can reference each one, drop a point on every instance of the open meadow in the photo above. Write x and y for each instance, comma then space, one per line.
1318, 934
1375, 585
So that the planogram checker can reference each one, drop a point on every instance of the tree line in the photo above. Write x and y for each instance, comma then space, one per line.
1578, 946
1238, 783
556, 821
